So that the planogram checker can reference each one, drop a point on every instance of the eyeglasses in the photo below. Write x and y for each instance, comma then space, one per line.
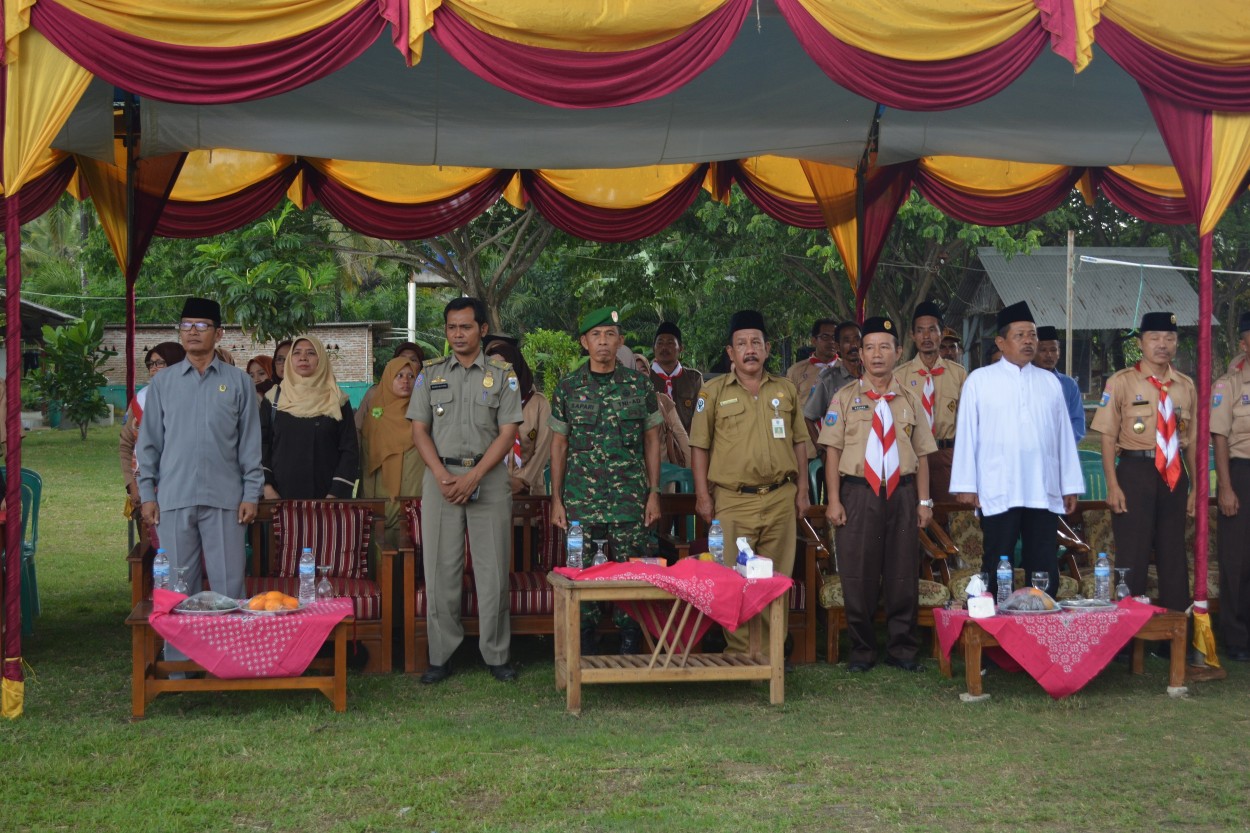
155, 364
280, 360
826, 337
198, 326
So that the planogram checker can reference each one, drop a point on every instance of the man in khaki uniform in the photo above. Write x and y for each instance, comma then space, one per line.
668, 376
748, 441
951, 347
845, 370
1146, 415
876, 473
936, 383
1230, 429
465, 409
806, 372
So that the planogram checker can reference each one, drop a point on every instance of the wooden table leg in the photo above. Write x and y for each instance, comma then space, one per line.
340, 668
1176, 668
776, 647
138, 671
573, 653
558, 599
972, 661
1138, 664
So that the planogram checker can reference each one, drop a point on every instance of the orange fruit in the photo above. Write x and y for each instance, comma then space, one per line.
257, 603
290, 603
274, 594
273, 605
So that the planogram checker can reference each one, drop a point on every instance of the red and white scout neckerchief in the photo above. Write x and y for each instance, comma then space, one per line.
516, 451
1167, 439
928, 398
822, 365
881, 455
667, 377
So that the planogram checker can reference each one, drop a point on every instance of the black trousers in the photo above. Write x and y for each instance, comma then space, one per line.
1234, 554
1154, 522
878, 556
1037, 529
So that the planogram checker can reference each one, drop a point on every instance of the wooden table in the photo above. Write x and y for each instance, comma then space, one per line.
666, 662
149, 674
1161, 626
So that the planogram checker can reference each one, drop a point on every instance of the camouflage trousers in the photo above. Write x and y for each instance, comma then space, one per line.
625, 541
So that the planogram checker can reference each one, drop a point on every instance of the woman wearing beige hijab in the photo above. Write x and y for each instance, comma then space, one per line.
392, 465
308, 435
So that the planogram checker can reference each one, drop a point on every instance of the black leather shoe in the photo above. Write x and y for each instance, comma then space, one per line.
904, 664
1238, 654
503, 673
859, 667
631, 641
436, 674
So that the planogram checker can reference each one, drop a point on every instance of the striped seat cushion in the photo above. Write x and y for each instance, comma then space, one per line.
412, 511
337, 533
366, 596
529, 594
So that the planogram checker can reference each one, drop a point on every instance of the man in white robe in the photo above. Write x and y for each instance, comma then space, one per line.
1014, 455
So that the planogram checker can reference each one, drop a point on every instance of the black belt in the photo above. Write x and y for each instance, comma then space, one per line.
464, 462
1238, 461
1136, 454
945, 444
903, 480
766, 488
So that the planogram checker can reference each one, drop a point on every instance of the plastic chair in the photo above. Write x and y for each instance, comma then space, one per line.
683, 478
816, 481
1095, 479
32, 494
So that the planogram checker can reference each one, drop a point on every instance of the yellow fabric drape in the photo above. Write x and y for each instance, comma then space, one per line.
604, 26
12, 697
1160, 180
407, 184
1213, 32
213, 174
43, 87
1230, 160
1086, 13
16, 21
213, 22
618, 187
922, 30
780, 176
514, 193
991, 177
49, 160
835, 188
107, 183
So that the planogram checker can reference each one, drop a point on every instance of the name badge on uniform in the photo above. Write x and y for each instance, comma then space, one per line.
779, 428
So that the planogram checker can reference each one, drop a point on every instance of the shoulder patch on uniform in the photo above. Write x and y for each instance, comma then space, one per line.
1216, 400
831, 418
1106, 398
420, 380
700, 405
512, 382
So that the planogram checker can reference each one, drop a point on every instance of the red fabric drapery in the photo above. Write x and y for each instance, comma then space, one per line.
995, 211
885, 190
204, 219
1197, 85
40, 193
563, 78
1139, 202
916, 85
394, 221
798, 214
612, 225
206, 75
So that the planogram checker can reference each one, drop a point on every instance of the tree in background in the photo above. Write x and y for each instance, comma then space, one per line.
70, 377
551, 356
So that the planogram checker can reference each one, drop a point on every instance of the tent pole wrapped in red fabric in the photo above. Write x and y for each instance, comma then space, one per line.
564, 78
612, 225
916, 85
208, 75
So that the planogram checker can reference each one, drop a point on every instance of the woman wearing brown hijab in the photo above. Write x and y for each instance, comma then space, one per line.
260, 368
392, 466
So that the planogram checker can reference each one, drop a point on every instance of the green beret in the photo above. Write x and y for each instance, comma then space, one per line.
598, 318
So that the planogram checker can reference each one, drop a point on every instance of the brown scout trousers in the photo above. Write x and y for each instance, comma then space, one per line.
1155, 521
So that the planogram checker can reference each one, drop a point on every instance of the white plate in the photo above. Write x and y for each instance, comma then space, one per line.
244, 608
1086, 605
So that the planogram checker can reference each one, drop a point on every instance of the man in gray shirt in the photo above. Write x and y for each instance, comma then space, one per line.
199, 456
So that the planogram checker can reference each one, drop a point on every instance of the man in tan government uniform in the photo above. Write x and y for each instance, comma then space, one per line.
748, 442
1230, 429
877, 445
936, 383
465, 409
668, 376
1148, 491
806, 372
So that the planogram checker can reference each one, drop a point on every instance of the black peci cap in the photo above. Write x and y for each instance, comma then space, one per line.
746, 319
1047, 334
1158, 322
927, 308
1018, 311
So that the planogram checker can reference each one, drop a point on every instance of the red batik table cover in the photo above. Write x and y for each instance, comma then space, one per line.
239, 645
723, 596
1062, 651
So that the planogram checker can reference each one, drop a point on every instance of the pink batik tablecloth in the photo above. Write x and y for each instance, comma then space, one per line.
239, 645
1062, 651
723, 596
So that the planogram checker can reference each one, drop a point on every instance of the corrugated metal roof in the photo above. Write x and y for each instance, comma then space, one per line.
1104, 296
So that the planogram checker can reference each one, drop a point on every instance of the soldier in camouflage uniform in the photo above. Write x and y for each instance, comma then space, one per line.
606, 437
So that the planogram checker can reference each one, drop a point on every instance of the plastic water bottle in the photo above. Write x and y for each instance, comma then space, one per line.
307, 577
576, 546
716, 542
1102, 578
160, 570
1004, 579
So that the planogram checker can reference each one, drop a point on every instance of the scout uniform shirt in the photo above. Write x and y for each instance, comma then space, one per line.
1129, 408
848, 424
605, 418
685, 390
946, 388
804, 375
464, 407
1230, 410
750, 439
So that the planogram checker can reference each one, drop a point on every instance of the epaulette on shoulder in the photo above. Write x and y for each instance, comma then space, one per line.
495, 361
433, 361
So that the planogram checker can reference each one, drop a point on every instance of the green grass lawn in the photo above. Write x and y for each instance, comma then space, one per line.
882, 751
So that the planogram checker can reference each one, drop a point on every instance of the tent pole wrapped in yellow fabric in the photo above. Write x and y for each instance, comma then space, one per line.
43, 87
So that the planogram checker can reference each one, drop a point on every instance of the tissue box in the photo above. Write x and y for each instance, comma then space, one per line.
981, 607
756, 567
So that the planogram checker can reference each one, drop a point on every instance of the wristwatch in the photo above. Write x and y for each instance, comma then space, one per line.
926, 502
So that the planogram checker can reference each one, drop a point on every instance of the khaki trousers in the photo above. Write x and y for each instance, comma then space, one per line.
769, 523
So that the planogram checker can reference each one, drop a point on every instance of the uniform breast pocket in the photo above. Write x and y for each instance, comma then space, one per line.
729, 420
858, 426
633, 409
485, 408
904, 421
583, 420
441, 401
1241, 416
